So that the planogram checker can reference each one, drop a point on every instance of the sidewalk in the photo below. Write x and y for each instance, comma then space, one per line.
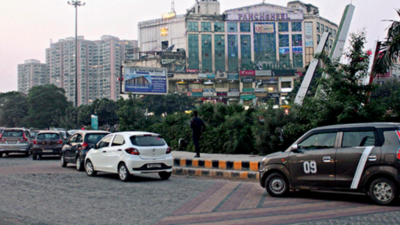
217, 165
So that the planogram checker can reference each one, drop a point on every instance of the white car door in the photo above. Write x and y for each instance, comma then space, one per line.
99, 155
115, 152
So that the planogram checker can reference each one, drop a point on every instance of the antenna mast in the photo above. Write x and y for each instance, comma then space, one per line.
173, 6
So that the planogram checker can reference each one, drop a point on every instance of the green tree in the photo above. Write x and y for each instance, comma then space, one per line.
70, 119
132, 115
106, 109
46, 104
13, 109
169, 103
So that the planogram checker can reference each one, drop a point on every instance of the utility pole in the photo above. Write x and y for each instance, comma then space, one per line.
76, 4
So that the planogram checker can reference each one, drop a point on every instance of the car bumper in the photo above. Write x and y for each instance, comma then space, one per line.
40, 151
14, 148
139, 166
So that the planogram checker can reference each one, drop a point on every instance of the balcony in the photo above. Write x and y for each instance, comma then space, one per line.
221, 89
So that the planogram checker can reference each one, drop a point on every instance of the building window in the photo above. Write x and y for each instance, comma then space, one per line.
318, 30
193, 51
193, 26
330, 31
206, 53
322, 28
245, 48
232, 53
205, 26
296, 26
232, 27
283, 27
219, 26
244, 27
219, 52
318, 38
334, 34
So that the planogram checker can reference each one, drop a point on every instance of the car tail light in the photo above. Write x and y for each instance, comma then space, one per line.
132, 151
35, 142
59, 142
168, 150
398, 151
1, 139
24, 138
84, 145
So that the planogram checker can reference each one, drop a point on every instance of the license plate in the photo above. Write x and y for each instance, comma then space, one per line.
154, 166
47, 151
12, 142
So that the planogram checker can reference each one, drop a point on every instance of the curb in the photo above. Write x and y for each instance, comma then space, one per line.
217, 164
216, 173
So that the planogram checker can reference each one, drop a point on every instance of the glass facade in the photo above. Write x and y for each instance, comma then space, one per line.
284, 50
264, 42
193, 59
193, 26
245, 48
206, 53
297, 50
219, 26
244, 27
231, 27
205, 26
296, 26
283, 27
232, 53
219, 52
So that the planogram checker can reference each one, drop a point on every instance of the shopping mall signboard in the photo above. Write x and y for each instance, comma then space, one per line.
264, 12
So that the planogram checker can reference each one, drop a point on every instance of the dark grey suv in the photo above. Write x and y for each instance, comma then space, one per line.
353, 158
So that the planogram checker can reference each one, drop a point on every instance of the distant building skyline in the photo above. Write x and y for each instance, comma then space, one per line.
30, 74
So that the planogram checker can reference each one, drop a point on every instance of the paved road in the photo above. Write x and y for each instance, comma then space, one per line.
41, 192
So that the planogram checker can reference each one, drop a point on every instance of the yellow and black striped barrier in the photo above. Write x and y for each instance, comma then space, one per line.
217, 164
231, 174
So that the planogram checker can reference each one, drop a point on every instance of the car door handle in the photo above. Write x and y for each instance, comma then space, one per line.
104, 151
326, 159
119, 150
372, 158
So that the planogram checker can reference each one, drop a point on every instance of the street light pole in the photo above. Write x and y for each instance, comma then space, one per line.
76, 4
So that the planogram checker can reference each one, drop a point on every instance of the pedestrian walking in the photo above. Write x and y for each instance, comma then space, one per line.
198, 128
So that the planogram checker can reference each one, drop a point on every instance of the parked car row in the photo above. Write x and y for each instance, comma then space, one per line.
124, 153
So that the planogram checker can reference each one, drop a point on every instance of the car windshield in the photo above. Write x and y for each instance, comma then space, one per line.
94, 138
147, 141
18, 133
51, 136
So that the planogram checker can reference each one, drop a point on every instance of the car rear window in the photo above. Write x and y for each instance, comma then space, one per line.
94, 138
18, 133
147, 141
51, 136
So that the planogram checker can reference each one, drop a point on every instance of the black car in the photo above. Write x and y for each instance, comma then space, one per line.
74, 151
47, 143
352, 158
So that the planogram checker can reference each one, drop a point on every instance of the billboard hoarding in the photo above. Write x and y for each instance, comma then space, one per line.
95, 122
145, 80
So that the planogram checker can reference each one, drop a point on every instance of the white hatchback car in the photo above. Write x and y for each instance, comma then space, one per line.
130, 153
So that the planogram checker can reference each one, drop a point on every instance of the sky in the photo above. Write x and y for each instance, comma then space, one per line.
28, 26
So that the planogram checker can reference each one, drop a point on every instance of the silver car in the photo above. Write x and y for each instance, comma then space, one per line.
14, 140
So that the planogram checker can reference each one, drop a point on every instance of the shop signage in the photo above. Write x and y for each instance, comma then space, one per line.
264, 28
233, 90
233, 76
233, 94
248, 80
95, 122
197, 94
247, 73
189, 93
265, 14
164, 31
247, 97
273, 95
211, 76
284, 72
248, 89
168, 15
297, 49
261, 89
202, 75
208, 94
172, 55
221, 75
170, 75
269, 81
261, 73
222, 94
209, 90
192, 71
197, 90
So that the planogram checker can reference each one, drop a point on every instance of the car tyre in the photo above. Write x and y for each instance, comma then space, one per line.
123, 172
382, 191
1, 155
34, 156
277, 185
90, 168
79, 164
165, 175
27, 154
62, 161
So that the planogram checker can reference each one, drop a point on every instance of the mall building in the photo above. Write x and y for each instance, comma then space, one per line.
247, 55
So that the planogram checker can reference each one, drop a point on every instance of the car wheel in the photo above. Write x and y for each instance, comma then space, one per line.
79, 164
382, 191
164, 175
276, 185
90, 169
39, 156
34, 157
1, 155
27, 154
123, 172
62, 161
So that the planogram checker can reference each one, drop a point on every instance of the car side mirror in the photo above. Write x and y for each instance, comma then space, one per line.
295, 147
96, 146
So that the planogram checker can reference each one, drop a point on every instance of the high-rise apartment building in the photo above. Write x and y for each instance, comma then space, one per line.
31, 73
98, 66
